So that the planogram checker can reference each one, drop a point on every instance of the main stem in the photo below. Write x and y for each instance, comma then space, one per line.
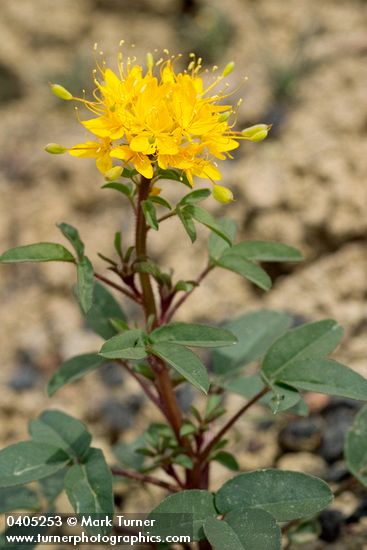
141, 250
163, 379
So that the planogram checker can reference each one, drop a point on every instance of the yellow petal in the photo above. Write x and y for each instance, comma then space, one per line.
143, 166
85, 150
142, 144
104, 163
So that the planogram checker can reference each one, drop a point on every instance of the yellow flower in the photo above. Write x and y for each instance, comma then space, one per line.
100, 150
159, 118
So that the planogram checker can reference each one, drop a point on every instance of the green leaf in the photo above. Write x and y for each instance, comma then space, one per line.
126, 453
175, 175
18, 498
183, 513
125, 189
29, 461
185, 286
195, 196
217, 245
185, 362
104, 308
267, 251
161, 201
72, 370
246, 269
72, 234
52, 486
246, 386
85, 286
40, 252
89, 487
325, 376
282, 398
255, 333
244, 530
356, 447
128, 345
117, 244
203, 217
201, 336
186, 220
309, 341
62, 431
183, 460
187, 429
283, 494
150, 214
227, 460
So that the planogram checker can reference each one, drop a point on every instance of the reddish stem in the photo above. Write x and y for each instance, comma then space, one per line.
144, 478
117, 287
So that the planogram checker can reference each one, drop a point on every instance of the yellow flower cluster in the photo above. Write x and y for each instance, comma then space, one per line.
165, 121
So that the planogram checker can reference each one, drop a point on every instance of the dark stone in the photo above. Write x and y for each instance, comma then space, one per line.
337, 472
303, 434
338, 415
111, 375
120, 415
26, 375
11, 87
331, 522
359, 512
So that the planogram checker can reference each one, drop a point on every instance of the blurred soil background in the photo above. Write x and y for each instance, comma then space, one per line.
306, 70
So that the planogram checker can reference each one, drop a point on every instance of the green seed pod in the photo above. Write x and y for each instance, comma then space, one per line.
61, 92
55, 149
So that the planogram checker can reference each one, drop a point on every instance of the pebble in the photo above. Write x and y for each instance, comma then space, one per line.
119, 415
26, 374
304, 434
303, 462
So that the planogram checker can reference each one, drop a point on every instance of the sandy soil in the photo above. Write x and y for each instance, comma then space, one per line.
306, 185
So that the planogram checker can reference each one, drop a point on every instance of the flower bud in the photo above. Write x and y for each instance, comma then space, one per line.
224, 116
257, 132
228, 68
55, 149
114, 173
222, 194
61, 92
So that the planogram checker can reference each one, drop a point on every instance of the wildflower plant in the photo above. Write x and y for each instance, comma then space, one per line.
151, 124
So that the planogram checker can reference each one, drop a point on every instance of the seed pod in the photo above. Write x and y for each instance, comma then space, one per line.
55, 149
222, 194
257, 132
61, 92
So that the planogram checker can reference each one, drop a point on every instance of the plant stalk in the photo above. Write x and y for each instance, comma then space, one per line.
141, 250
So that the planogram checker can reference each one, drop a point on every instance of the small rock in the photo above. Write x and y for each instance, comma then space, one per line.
331, 522
119, 415
337, 472
111, 375
304, 434
338, 415
302, 462
26, 375
359, 512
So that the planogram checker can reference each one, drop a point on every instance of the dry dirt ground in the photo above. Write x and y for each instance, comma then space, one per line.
306, 185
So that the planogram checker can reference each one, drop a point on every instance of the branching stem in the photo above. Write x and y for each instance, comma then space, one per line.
144, 478
117, 287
